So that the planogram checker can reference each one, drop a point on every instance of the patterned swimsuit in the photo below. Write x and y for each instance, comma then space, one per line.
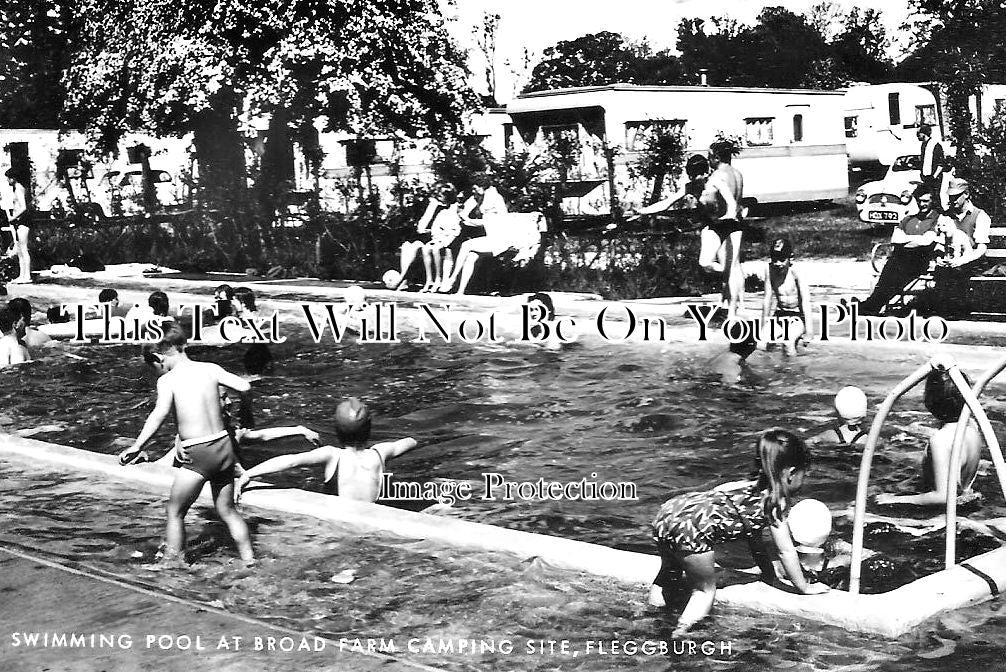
696, 521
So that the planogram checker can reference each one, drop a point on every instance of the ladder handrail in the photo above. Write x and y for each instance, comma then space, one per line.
866, 462
950, 557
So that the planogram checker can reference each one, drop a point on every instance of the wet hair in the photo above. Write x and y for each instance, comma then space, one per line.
21, 308
781, 250
776, 451
107, 295
226, 290
7, 320
545, 300
723, 150
941, 396
245, 297
158, 302
258, 359
696, 165
174, 338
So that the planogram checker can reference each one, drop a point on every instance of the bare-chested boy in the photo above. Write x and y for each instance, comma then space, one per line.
191, 391
786, 298
12, 350
355, 471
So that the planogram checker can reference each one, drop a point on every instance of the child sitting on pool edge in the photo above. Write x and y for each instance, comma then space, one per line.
355, 472
850, 405
942, 398
687, 527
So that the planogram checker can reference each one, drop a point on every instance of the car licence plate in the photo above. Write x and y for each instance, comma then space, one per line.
883, 216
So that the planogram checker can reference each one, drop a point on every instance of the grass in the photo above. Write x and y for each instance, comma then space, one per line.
817, 230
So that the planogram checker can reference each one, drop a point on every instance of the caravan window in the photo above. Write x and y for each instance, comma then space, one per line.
638, 133
1000, 105
894, 108
797, 128
758, 131
852, 127
925, 114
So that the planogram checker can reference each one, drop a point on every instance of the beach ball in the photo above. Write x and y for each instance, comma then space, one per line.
810, 523
391, 279
354, 295
850, 402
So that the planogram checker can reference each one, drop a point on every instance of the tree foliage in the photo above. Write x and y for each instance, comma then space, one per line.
36, 43
599, 59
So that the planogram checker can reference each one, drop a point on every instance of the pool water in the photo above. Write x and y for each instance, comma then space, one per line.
647, 414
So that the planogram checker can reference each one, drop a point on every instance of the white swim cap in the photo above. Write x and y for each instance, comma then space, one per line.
850, 402
809, 524
354, 295
391, 278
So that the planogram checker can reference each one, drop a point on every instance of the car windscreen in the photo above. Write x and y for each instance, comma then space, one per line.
910, 162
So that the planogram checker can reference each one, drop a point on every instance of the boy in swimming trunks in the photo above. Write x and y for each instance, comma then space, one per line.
354, 471
191, 390
945, 402
787, 301
12, 350
30, 337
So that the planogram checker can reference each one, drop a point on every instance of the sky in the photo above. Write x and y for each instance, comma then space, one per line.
536, 25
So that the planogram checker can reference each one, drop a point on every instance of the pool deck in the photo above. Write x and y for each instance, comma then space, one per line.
830, 281
142, 631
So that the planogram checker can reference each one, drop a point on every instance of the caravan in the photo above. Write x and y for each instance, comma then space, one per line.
793, 148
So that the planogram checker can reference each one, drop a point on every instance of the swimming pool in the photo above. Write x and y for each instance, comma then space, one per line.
646, 414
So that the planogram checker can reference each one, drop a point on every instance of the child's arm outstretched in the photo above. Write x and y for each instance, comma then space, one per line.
273, 433
395, 448
282, 463
154, 421
791, 561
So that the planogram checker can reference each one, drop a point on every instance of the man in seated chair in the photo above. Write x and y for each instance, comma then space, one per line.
913, 241
950, 296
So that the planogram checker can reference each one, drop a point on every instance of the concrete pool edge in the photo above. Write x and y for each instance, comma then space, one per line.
889, 614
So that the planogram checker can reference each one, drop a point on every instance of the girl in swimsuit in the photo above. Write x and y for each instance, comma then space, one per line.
715, 205
688, 526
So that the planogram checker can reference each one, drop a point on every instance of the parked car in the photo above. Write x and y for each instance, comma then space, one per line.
890, 200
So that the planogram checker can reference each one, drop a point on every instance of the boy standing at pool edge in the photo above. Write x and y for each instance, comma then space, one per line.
190, 390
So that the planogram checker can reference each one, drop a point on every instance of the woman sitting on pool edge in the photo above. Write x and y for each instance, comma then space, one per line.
356, 471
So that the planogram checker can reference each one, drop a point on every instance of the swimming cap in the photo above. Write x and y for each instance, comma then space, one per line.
850, 402
809, 524
351, 415
354, 295
391, 278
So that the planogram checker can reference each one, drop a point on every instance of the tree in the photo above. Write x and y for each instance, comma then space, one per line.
200, 66
713, 46
36, 42
779, 48
860, 48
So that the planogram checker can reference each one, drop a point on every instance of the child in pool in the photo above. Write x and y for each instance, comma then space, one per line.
731, 365
687, 526
850, 405
191, 390
945, 402
355, 471
31, 338
12, 350
787, 298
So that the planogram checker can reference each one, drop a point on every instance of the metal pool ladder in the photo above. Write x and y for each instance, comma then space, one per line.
972, 407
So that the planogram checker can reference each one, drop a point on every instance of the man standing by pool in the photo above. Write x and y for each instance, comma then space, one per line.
934, 170
721, 154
